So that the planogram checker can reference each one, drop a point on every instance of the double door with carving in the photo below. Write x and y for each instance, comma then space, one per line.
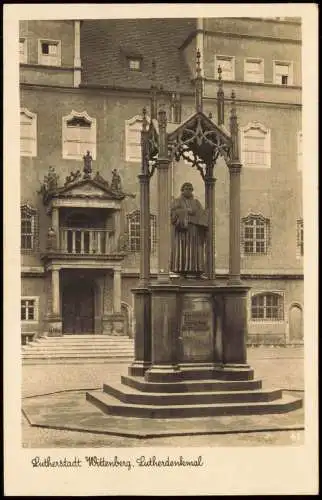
78, 308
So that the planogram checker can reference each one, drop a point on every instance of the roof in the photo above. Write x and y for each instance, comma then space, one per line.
106, 44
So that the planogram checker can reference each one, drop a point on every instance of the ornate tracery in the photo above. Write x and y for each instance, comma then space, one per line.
200, 141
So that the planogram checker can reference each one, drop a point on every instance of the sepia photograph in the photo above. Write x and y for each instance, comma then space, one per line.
161, 245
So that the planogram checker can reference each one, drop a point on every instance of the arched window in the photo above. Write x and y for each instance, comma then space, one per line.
256, 146
28, 133
255, 235
267, 306
79, 136
134, 231
29, 228
133, 129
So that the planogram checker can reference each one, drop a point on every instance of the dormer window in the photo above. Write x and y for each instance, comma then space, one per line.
135, 64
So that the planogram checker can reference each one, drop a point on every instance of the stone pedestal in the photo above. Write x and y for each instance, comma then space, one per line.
113, 324
194, 363
196, 325
54, 326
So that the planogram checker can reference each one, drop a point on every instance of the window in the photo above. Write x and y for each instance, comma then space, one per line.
254, 70
134, 231
29, 228
28, 133
300, 238
267, 306
133, 129
256, 146
255, 235
23, 50
79, 136
299, 151
29, 309
49, 52
283, 73
227, 64
135, 64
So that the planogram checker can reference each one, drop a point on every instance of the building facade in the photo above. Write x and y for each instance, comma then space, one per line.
83, 85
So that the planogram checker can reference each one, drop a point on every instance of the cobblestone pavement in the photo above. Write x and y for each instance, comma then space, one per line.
277, 367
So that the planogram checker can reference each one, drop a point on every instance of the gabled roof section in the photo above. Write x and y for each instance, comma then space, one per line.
89, 188
106, 44
191, 123
78, 185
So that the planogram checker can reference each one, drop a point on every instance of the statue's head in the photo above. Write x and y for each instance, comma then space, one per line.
187, 190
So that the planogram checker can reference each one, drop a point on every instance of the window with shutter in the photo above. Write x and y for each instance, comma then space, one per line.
49, 52
283, 73
255, 146
133, 128
79, 135
254, 70
23, 50
28, 133
227, 65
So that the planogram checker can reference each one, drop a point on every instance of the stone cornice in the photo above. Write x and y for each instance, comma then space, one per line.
100, 89
47, 67
33, 271
257, 84
224, 274
230, 34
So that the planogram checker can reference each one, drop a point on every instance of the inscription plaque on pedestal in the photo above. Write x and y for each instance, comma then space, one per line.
196, 332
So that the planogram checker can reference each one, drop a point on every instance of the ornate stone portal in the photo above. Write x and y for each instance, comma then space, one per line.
190, 341
83, 239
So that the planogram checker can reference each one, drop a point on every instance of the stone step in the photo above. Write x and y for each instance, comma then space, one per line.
130, 395
190, 386
77, 346
75, 361
78, 349
65, 354
112, 406
189, 372
84, 336
88, 339
62, 348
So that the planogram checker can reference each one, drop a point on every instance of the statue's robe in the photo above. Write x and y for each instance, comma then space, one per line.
188, 236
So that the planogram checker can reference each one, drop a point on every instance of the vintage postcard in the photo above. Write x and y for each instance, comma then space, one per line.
160, 168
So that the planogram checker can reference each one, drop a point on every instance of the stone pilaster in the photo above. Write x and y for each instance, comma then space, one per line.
234, 222
117, 291
54, 317
163, 201
163, 220
77, 58
55, 224
145, 229
235, 326
165, 332
143, 333
116, 225
210, 243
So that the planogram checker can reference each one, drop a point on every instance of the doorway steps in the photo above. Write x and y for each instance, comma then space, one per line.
78, 349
